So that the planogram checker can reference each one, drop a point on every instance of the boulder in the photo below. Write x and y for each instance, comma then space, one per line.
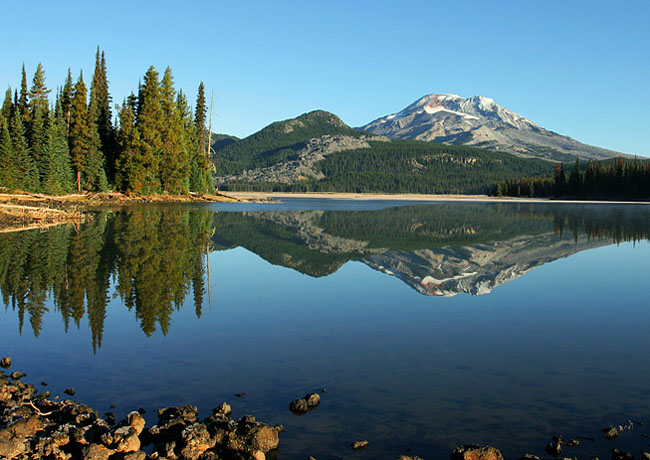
299, 406
312, 399
15, 375
476, 452
610, 433
554, 448
96, 452
358, 445
5, 362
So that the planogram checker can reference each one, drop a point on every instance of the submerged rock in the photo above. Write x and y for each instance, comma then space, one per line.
358, 445
17, 375
621, 455
610, 433
70, 391
5, 362
301, 406
476, 452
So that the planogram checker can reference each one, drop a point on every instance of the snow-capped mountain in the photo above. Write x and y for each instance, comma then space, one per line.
480, 122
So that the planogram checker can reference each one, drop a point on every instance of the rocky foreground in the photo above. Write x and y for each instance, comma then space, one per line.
33, 426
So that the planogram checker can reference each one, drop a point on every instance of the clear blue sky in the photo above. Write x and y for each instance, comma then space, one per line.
581, 68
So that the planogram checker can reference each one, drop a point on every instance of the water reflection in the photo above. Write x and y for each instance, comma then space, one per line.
154, 258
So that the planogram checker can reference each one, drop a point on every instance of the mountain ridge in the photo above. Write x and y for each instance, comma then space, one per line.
480, 122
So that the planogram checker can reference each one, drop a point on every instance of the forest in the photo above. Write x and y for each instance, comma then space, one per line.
155, 144
615, 179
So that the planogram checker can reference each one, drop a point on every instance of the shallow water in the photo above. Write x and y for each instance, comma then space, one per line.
429, 325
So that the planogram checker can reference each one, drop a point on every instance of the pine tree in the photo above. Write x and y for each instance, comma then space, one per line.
94, 171
27, 178
38, 139
200, 117
23, 102
9, 174
174, 165
100, 97
149, 120
130, 171
58, 177
66, 100
78, 134
38, 93
7, 105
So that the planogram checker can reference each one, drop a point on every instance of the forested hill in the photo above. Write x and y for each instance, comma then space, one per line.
277, 142
318, 152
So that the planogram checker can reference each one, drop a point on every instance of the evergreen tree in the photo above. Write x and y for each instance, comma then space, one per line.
149, 121
94, 171
23, 101
27, 178
79, 133
38, 94
66, 100
58, 177
174, 165
199, 119
101, 99
38, 139
129, 167
7, 105
9, 174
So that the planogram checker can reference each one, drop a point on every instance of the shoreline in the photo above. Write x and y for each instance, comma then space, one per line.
418, 197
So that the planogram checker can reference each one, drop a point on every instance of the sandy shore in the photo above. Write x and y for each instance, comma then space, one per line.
416, 197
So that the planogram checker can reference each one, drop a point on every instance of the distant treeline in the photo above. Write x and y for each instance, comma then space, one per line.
156, 144
402, 166
608, 179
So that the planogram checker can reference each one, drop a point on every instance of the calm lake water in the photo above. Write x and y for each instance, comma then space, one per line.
429, 325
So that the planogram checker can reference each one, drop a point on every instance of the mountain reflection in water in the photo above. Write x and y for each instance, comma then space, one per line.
154, 258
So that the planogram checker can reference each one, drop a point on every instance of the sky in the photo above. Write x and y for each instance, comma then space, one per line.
580, 68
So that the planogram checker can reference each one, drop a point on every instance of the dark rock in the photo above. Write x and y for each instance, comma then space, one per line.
112, 406
358, 445
299, 406
5, 362
621, 455
96, 452
404, 457
15, 375
476, 452
223, 409
610, 433
240, 395
313, 400
529, 457
554, 448
186, 413
69, 391
142, 411
645, 455
572, 443
44, 383
110, 418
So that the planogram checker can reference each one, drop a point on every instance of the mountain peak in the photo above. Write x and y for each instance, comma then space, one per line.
480, 122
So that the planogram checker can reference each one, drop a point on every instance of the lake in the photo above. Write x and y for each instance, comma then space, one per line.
428, 325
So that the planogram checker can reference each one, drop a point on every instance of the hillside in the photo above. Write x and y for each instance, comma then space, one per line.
318, 152
480, 122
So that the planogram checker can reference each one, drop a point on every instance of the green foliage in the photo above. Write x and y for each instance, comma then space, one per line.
26, 170
616, 179
57, 176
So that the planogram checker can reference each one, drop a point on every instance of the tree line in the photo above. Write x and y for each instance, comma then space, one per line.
156, 144
608, 179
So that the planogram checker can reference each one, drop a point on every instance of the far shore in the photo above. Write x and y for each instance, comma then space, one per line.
416, 197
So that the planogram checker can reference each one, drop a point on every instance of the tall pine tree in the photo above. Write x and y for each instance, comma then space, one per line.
58, 177
79, 132
149, 121
174, 165
101, 99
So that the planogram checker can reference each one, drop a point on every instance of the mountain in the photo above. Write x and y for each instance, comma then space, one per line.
481, 122
440, 250
317, 151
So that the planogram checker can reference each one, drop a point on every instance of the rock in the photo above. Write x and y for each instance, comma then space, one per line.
17, 375
139, 455
310, 458
96, 452
572, 443
264, 438
529, 457
258, 455
10, 447
5, 362
142, 411
69, 391
135, 420
313, 400
123, 439
476, 452
196, 440
358, 445
240, 395
621, 455
404, 457
110, 418
44, 383
610, 433
223, 409
554, 448
645, 455
299, 406
186, 413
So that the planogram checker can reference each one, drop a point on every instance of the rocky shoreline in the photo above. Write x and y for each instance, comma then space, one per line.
35, 426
